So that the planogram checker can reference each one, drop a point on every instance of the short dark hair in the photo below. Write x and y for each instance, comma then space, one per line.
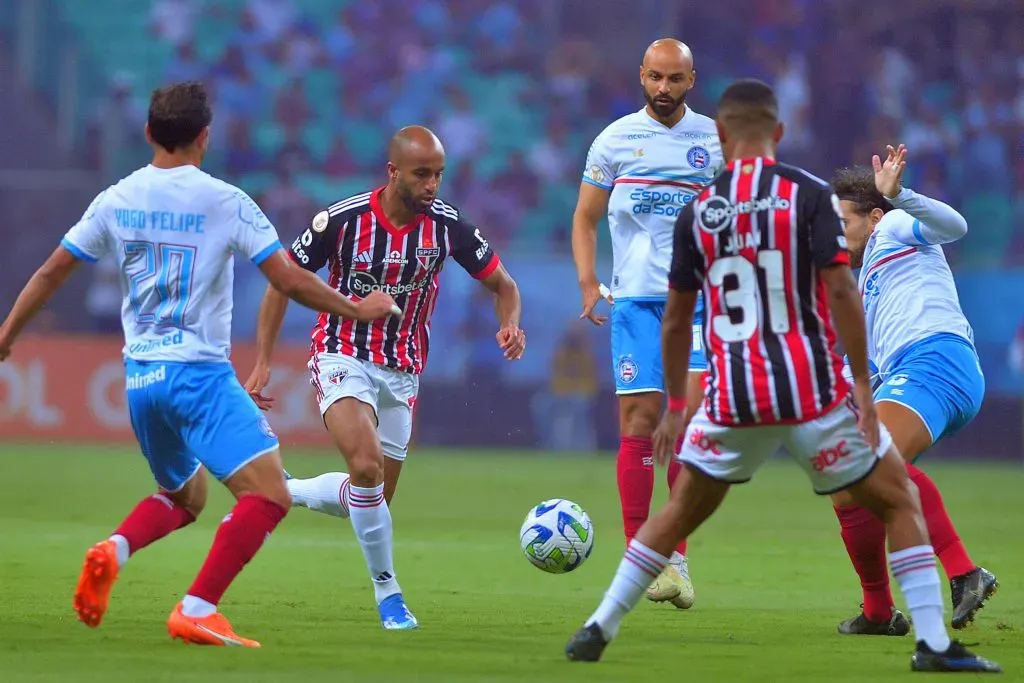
748, 103
857, 184
178, 113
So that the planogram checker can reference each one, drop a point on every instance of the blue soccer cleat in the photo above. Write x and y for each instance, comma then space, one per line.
394, 615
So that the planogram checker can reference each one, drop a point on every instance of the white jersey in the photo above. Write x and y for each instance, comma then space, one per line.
908, 290
173, 232
652, 172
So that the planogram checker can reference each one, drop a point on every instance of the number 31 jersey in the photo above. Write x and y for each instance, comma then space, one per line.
174, 232
755, 242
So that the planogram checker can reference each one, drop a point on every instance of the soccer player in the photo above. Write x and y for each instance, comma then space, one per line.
174, 230
765, 244
393, 239
932, 384
641, 171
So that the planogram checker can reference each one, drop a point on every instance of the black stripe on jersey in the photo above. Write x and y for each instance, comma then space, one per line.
773, 347
440, 240
741, 397
343, 261
407, 274
380, 247
812, 326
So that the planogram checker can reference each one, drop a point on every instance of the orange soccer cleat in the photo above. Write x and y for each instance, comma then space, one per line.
99, 573
212, 630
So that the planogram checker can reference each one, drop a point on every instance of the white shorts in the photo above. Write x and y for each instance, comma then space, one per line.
831, 448
391, 394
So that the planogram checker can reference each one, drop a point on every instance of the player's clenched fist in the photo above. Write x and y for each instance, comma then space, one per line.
512, 341
376, 306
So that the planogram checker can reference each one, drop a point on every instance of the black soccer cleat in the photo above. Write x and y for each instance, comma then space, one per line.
586, 645
860, 625
956, 659
970, 592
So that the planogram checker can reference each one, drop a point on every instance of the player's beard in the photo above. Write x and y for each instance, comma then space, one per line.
411, 201
664, 108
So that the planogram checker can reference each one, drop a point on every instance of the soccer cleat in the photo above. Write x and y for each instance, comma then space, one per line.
956, 658
212, 630
99, 572
586, 645
860, 625
673, 584
394, 615
970, 592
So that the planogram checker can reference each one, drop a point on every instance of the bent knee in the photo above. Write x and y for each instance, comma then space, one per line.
366, 467
639, 417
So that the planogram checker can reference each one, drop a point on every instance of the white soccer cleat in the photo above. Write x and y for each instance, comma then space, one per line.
673, 584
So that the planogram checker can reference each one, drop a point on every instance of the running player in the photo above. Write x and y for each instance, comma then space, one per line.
932, 384
393, 239
174, 230
765, 244
641, 171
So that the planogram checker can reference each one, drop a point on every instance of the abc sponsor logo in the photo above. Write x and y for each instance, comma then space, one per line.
828, 457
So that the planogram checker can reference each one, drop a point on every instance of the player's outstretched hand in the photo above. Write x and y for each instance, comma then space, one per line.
889, 175
257, 382
868, 420
666, 436
512, 341
376, 306
591, 292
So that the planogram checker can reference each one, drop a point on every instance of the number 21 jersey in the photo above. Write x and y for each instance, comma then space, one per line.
755, 242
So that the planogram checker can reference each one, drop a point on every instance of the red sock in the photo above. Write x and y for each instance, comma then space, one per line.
674, 468
239, 538
152, 519
635, 467
864, 536
948, 547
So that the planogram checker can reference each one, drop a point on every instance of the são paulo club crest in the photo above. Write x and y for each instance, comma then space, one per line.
627, 370
699, 157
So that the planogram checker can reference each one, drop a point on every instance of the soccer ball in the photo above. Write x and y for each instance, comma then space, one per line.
557, 536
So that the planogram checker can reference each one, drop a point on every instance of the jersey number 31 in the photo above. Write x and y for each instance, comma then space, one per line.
737, 278
159, 280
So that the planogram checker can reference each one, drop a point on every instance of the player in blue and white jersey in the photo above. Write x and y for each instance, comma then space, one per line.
640, 172
930, 381
174, 231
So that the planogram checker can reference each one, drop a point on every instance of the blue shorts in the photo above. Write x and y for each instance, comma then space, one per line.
940, 379
636, 346
187, 415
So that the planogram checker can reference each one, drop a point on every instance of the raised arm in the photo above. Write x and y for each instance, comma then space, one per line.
934, 222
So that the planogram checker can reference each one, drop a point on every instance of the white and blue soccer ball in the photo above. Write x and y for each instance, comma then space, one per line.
557, 536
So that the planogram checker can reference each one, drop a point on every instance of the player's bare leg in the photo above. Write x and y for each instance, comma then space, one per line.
864, 535
263, 501
392, 471
353, 427
153, 518
674, 583
890, 494
694, 498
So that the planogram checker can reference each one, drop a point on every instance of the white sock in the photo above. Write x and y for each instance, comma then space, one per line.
123, 550
192, 606
915, 571
321, 494
371, 520
638, 568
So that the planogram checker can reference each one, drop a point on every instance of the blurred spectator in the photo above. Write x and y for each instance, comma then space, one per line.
103, 297
241, 156
563, 411
174, 20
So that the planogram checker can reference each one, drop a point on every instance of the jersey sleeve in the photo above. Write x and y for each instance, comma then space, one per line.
934, 222
89, 238
255, 237
598, 170
471, 250
828, 242
312, 250
686, 274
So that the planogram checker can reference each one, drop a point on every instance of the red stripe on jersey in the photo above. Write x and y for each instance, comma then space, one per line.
836, 363
715, 346
785, 241
491, 266
410, 323
395, 245
321, 332
363, 242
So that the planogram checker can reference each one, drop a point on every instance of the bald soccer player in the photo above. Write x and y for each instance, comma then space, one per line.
394, 239
641, 171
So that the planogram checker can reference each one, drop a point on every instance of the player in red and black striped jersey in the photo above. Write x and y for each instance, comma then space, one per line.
765, 245
395, 240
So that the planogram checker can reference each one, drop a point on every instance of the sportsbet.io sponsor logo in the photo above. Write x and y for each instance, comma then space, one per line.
717, 212
658, 202
362, 283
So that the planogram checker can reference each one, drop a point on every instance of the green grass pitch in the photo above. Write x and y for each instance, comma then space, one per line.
771, 575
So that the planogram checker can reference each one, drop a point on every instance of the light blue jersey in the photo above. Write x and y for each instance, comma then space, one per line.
918, 336
651, 172
174, 233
